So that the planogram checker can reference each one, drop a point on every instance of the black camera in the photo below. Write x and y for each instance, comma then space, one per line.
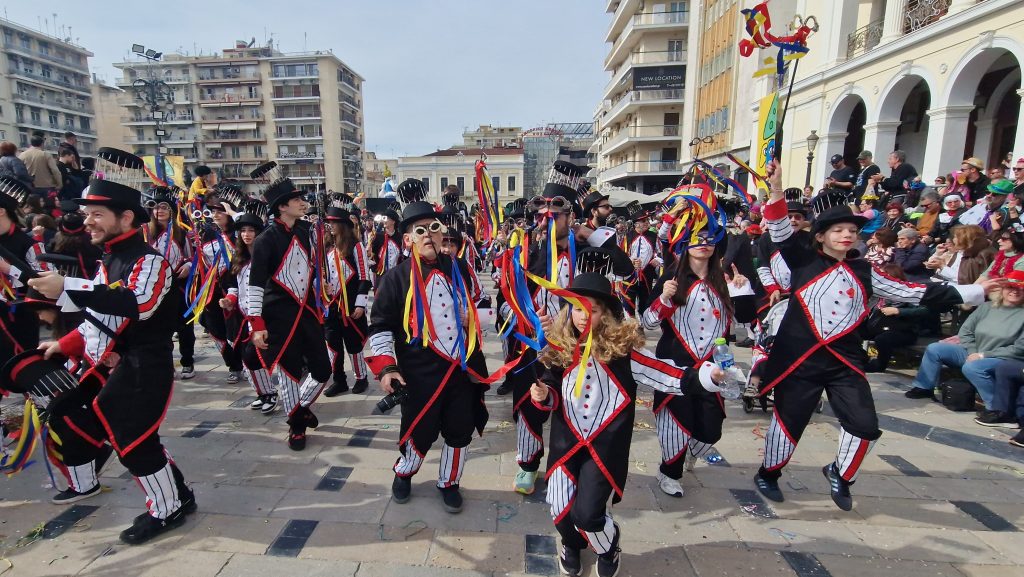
393, 400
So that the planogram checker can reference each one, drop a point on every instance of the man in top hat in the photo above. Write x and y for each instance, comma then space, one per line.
642, 244
19, 329
597, 209
286, 326
202, 184
386, 243
217, 246
129, 321
443, 397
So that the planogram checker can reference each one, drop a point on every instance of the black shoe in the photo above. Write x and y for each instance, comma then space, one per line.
569, 561
996, 419
919, 393
147, 527
746, 343
769, 488
608, 563
336, 388
69, 495
188, 500
401, 489
1018, 439
504, 389
452, 499
360, 386
839, 487
297, 439
303, 418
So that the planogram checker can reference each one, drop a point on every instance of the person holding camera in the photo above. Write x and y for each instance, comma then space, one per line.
423, 325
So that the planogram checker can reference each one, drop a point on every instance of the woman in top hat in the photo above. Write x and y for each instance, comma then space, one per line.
593, 427
642, 245
217, 245
129, 322
249, 224
386, 243
348, 279
168, 237
696, 302
822, 350
286, 325
424, 344
19, 329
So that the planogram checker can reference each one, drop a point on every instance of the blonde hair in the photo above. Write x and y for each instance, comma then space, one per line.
613, 338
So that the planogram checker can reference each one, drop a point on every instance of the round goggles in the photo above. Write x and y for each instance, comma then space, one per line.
554, 204
432, 228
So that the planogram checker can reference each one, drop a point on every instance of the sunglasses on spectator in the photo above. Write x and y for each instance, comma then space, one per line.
1004, 237
434, 227
1016, 168
557, 204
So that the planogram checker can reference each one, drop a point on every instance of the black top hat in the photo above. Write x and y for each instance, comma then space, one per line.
596, 286
115, 196
636, 211
516, 208
411, 190
450, 198
592, 200
793, 194
34, 300
280, 193
250, 219
231, 193
797, 207
827, 199
29, 372
340, 215
66, 265
415, 211
836, 215
452, 218
13, 193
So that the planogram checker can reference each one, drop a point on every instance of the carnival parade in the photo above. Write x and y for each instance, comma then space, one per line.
215, 368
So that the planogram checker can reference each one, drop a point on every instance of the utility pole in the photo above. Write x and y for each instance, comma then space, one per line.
155, 94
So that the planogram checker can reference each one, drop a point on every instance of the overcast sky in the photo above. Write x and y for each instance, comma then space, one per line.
432, 67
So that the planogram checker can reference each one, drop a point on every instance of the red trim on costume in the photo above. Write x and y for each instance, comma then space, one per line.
72, 345
257, 324
858, 458
426, 407
110, 243
378, 362
81, 433
775, 210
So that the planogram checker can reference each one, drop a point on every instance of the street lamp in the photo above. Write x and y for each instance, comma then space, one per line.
812, 143
155, 94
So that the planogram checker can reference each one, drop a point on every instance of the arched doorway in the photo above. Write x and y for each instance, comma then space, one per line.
844, 135
854, 142
902, 122
912, 133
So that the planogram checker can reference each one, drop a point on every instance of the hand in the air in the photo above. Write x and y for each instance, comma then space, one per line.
737, 279
668, 290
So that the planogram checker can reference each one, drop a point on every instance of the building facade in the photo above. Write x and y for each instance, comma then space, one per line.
938, 79
45, 89
375, 171
106, 102
487, 136
639, 121
457, 167
247, 105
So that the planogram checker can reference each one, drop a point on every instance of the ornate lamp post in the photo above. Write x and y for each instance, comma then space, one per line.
155, 94
812, 143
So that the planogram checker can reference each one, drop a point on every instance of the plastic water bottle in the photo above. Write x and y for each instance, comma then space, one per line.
731, 387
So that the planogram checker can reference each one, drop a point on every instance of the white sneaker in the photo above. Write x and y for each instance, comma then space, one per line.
670, 486
187, 372
234, 377
257, 404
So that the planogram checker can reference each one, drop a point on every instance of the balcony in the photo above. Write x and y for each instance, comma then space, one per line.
623, 11
635, 98
350, 137
641, 168
251, 78
621, 73
234, 138
125, 81
214, 100
64, 104
634, 134
303, 98
56, 127
145, 120
297, 118
33, 77
314, 135
920, 13
864, 38
298, 156
643, 21
346, 99
18, 49
187, 142
350, 118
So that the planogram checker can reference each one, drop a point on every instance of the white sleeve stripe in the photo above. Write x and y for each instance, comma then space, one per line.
780, 230
255, 298
383, 344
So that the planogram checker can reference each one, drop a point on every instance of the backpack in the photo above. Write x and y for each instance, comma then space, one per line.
958, 395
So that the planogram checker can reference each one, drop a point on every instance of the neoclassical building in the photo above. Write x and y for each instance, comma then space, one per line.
939, 79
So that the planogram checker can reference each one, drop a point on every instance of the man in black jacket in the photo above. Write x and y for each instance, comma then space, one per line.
902, 174
910, 253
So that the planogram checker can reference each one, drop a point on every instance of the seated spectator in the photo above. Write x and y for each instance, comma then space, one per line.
995, 331
952, 208
900, 327
1008, 215
964, 258
1007, 401
1010, 246
997, 193
910, 254
894, 217
927, 212
868, 210
881, 246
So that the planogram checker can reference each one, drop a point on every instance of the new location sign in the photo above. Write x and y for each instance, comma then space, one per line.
659, 77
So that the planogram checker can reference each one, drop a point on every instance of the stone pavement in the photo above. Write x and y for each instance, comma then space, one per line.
940, 496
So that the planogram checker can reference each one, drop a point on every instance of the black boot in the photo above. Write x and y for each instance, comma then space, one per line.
337, 388
504, 388
452, 499
296, 438
360, 386
146, 527
401, 488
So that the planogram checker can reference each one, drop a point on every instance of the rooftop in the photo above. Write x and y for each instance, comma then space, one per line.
477, 152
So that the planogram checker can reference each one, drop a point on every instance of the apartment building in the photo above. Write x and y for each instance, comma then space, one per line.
45, 88
638, 122
487, 136
457, 166
238, 109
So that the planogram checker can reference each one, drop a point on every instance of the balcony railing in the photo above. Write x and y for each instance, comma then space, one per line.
308, 134
653, 18
641, 96
228, 98
74, 105
864, 38
240, 77
15, 47
350, 118
921, 13
348, 99
657, 57
13, 69
641, 166
349, 136
169, 118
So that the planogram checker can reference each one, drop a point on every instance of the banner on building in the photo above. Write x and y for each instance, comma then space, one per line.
767, 127
174, 170
659, 77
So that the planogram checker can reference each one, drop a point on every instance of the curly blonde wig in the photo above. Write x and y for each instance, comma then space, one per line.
613, 338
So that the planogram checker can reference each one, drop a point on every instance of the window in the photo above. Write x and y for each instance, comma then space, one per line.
461, 183
444, 182
37, 116
496, 183
140, 134
26, 43
511, 184
236, 152
474, 183
426, 183
257, 151
22, 139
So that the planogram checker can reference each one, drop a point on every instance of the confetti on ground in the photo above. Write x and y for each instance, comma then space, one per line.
640, 466
757, 432
505, 426
784, 534
506, 512
642, 426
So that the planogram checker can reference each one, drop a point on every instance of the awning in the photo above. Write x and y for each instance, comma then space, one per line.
230, 126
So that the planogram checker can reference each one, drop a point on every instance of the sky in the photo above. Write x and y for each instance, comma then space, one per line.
431, 67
